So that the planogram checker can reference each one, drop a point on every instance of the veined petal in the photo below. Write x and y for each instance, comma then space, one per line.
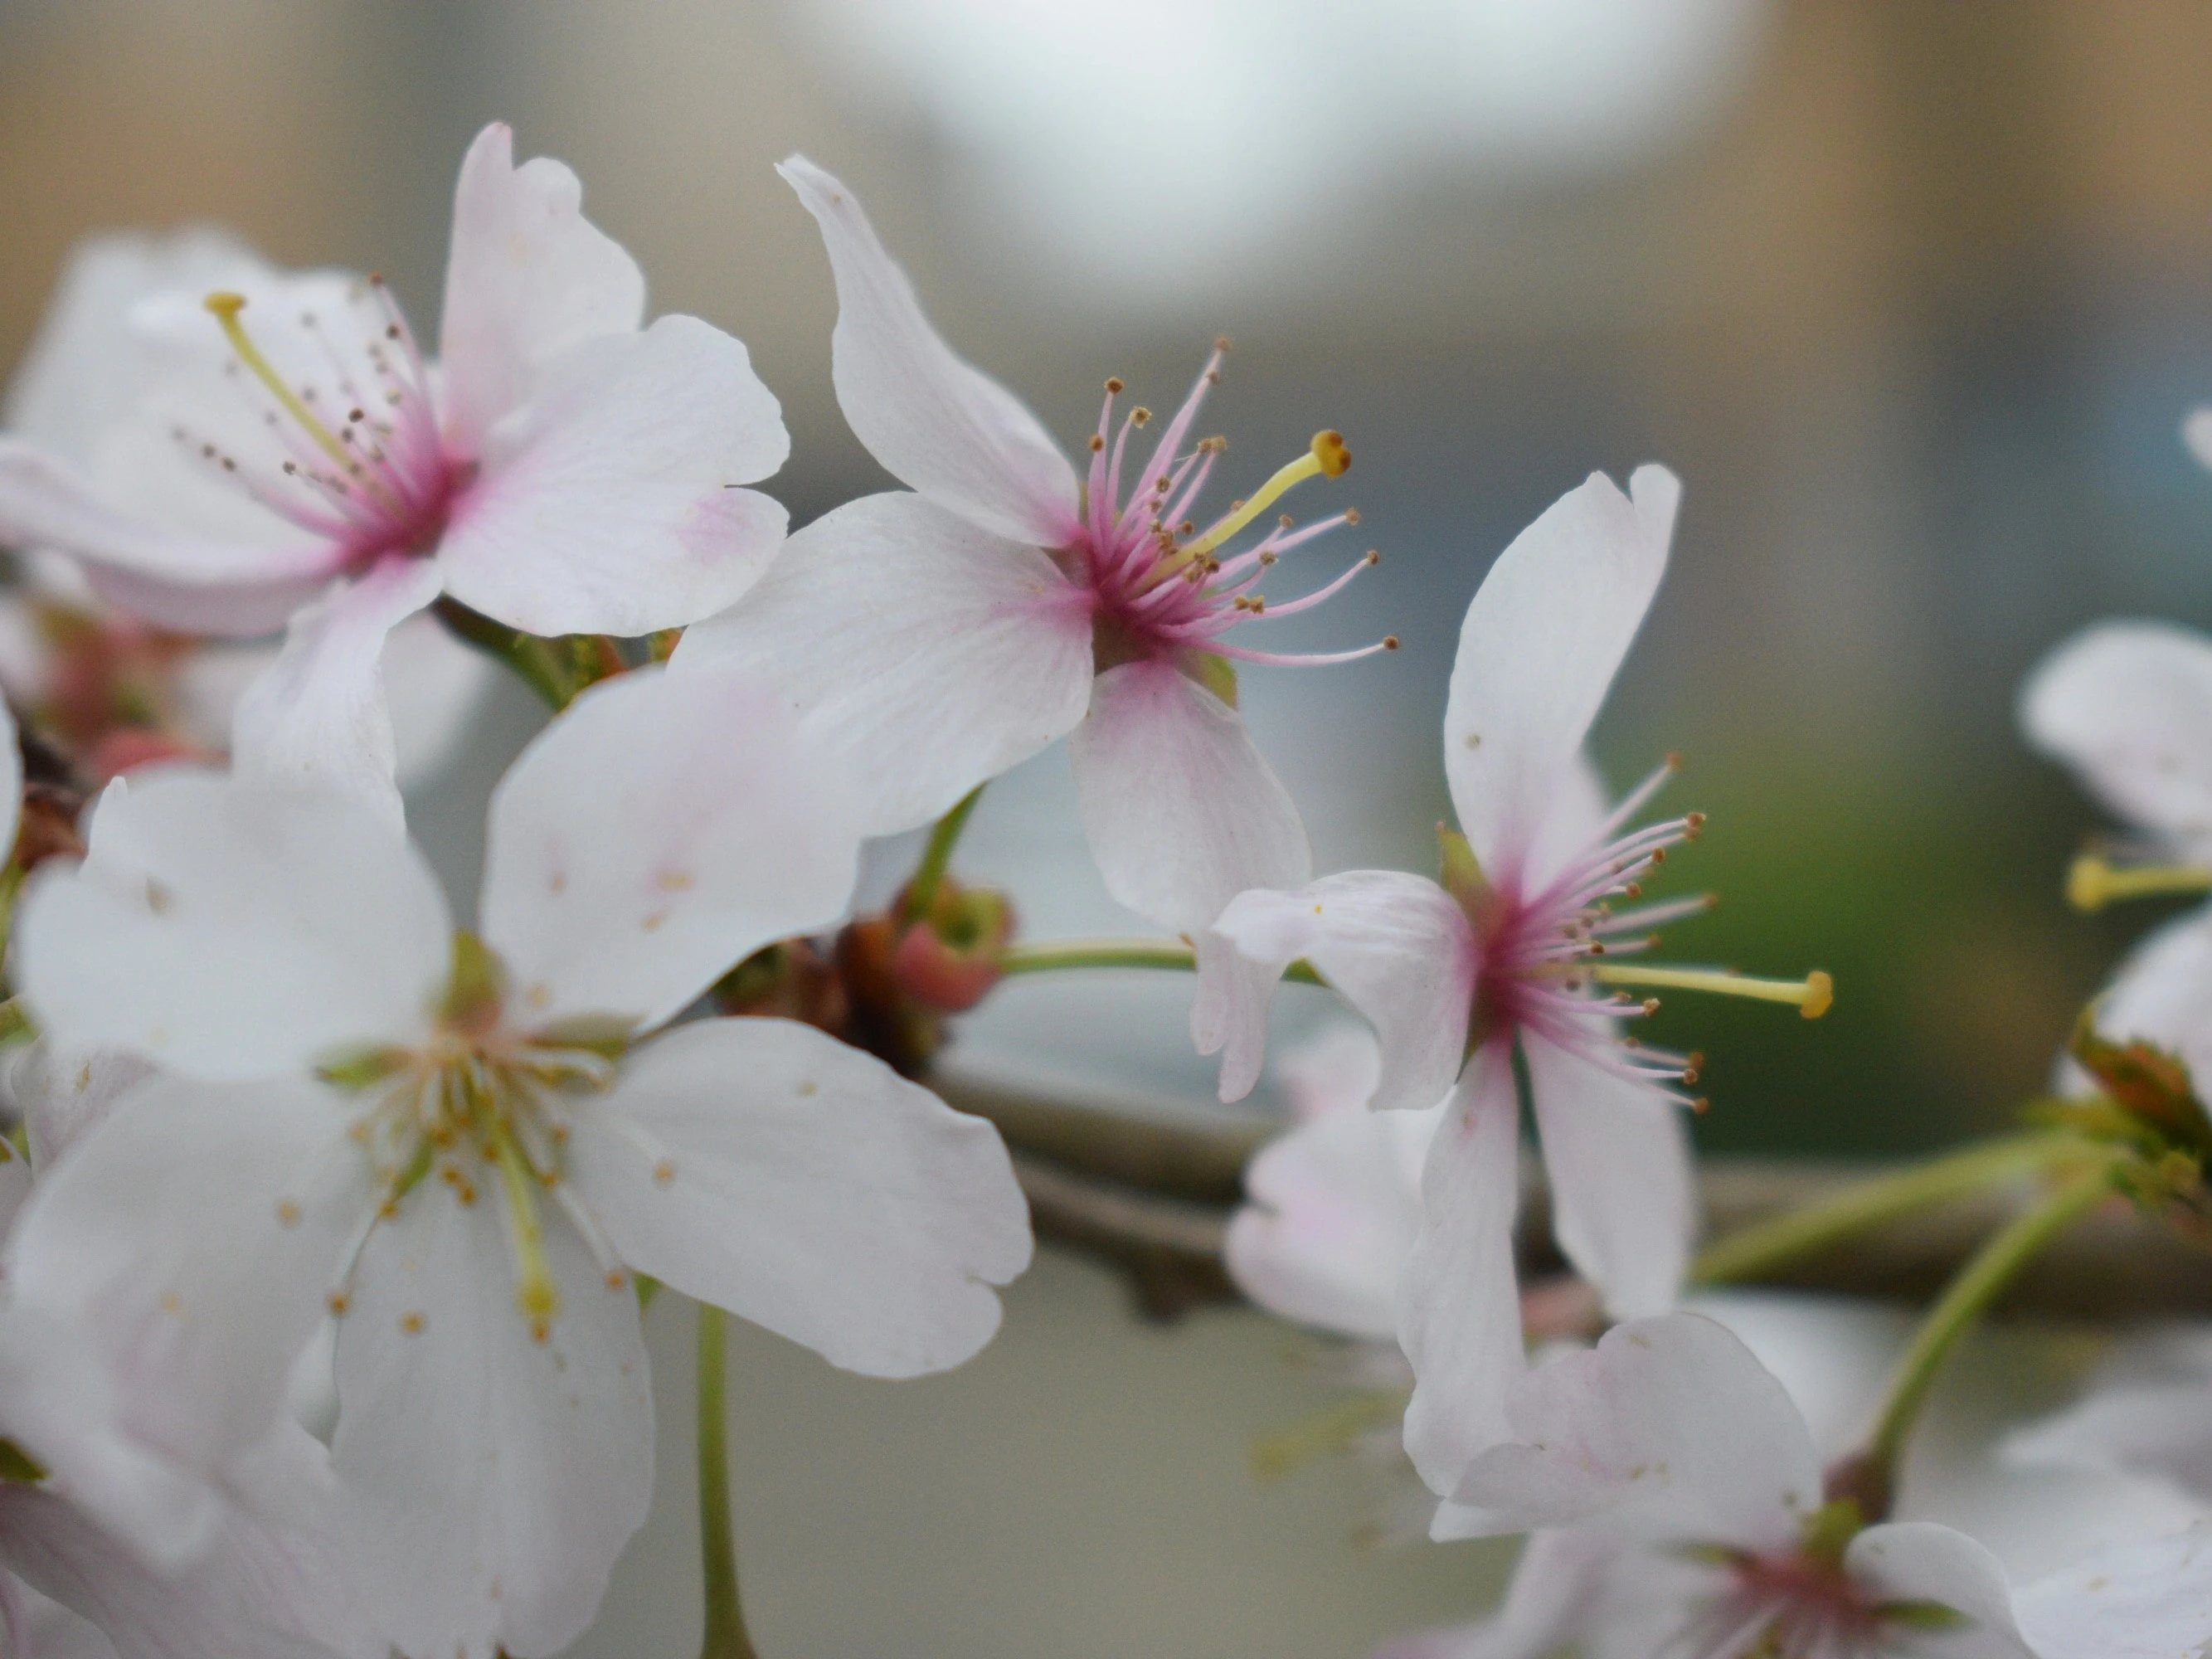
527, 274
2127, 707
662, 828
227, 930
931, 654
1624, 1196
768, 1168
1668, 1427
176, 578
1396, 947
1539, 650
487, 1480
1333, 1209
196, 1232
1459, 1304
317, 718
1229, 1014
1555, 1583
2148, 1600
217, 1610
608, 502
1920, 1561
936, 423
1182, 812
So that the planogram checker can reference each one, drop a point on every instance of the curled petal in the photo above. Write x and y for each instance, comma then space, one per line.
1918, 1561
1539, 650
938, 424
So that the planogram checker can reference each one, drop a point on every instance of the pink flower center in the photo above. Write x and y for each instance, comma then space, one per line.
1159, 587
1798, 1606
1541, 948
354, 457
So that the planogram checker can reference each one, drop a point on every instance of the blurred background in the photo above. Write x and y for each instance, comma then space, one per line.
1914, 296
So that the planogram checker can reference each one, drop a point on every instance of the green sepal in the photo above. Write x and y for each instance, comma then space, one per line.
1828, 1531
2149, 1086
1216, 673
18, 1466
1460, 872
363, 1068
1922, 1615
606, 1036
476, 987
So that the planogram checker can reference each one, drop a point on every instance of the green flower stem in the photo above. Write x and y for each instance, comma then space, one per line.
555, 669
1122, 953
1968, 1296
726, 1637
1765, 1245
936, 856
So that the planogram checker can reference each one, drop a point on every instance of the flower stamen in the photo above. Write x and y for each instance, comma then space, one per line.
1814, 995
2093, 881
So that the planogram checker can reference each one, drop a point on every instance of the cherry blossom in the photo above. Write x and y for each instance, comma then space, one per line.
283, 451
942, 634
1506, 954
1679, 1495
463, 1145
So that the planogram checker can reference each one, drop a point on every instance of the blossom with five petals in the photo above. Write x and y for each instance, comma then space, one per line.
1504, 955
939, 634
1679, 1495
287, 454
464, 1144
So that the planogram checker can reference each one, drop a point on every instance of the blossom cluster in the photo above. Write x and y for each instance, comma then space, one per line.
330, 1214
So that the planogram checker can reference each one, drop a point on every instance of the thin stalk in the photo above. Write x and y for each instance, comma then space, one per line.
936, 857
1868, 1204
1122, 953
1978, 1284
726, 1637
555, 669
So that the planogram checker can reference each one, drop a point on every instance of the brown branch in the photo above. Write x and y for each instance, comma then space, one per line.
1147, 1184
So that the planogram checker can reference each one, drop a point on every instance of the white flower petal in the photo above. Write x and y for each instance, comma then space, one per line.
2196, 434
176, 578
1331, 1074
317, 719
487, 1480
1624, 1195
764, 1167
1459, 1304
216, 1610
931, 654
936, 423
1538, 651
527, 276
1920, 1561
1181, 812
1230, 1011
11, 779
199, 1229
63, 1093
2127, 707
2146, 1601
1396, 947
2157, 1427
1555, 1583
1668, 1427
662, 828
607, 503
80, 374
1333, 1209
229, 931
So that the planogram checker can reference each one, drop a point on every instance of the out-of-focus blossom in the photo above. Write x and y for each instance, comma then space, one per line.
1505, 953
1679, 1499
2148, 1413
463, 1144
284, 453
939, 635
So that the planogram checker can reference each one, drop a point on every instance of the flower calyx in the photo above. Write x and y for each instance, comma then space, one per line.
2147, 1104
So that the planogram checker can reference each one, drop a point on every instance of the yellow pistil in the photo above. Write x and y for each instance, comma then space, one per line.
225, 307
2092, 882
1326, 456
1814, 995
535, 1292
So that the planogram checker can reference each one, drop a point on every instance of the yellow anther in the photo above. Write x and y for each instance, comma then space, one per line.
224, 307
1328, 449
1814, 995
2092, 882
